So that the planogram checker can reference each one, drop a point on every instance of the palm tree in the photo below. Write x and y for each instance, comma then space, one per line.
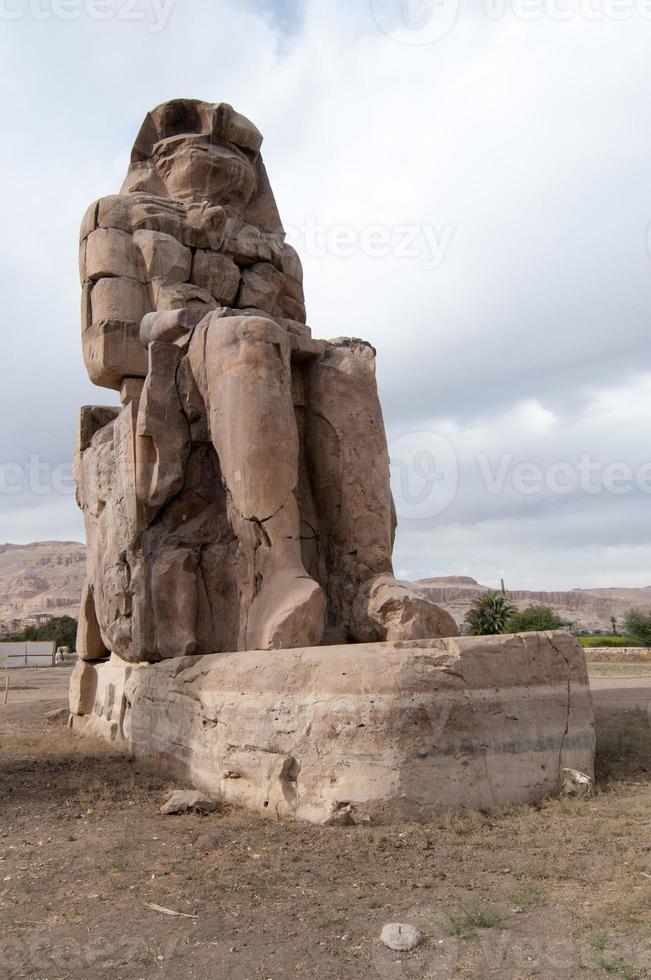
613, 620
489, 614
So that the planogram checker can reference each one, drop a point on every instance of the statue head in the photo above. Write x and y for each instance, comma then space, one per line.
201, 153
195, 171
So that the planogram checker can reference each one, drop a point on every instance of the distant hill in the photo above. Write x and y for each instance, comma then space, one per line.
44, 577
588, 608
48, 576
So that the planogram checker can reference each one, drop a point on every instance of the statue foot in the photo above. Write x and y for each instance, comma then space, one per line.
289, 612
386, 609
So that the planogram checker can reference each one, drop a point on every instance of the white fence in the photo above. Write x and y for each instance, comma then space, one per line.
30, 654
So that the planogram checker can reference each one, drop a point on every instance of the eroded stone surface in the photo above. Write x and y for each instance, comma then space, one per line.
388, 610
240, 498
356, 734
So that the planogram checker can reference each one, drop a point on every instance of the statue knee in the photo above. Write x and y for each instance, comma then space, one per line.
250, 340
249, 330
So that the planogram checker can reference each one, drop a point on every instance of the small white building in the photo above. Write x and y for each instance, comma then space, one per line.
27, 654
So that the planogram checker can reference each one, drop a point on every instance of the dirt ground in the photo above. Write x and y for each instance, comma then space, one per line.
560, 890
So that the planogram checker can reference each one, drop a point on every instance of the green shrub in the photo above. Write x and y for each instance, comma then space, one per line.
489, 614
609, 641
638, 624
534, 619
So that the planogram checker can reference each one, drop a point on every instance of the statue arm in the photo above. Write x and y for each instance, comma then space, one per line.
115, 297
129, 275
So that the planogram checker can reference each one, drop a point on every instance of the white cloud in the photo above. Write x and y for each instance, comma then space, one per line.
526, 139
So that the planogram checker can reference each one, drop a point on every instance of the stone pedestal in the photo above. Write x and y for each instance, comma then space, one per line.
373, 732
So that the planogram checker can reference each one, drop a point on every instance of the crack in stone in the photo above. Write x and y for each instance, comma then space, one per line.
467, 693
550, 637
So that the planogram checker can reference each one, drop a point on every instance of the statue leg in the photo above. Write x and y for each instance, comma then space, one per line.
242, 367
349, 464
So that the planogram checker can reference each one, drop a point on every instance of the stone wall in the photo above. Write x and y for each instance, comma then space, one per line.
630, 655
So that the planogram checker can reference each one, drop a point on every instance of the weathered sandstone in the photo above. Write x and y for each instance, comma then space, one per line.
384, 731
240, 498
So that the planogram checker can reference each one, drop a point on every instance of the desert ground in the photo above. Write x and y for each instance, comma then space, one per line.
558, 890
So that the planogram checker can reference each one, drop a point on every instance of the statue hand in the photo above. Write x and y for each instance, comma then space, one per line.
169, 326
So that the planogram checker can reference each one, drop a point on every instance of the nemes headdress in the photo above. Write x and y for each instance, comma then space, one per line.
218, 123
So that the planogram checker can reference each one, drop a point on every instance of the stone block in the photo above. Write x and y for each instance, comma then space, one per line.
181, 296
261, 287
291, 263
163, 256
246, 244
131, 390
218, 274
92, 418
113, 352
119, 298
89, 221
110, 252
83, 685
131, 212
90, 645
385, 732
103, 688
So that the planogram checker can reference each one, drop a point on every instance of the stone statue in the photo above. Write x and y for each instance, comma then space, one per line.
239, 499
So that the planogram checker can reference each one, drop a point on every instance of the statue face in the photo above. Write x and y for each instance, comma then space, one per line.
195, 170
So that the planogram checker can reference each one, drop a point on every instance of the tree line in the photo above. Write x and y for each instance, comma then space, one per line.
492, 613
61, 629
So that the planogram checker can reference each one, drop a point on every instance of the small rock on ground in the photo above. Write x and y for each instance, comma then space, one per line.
59, 716
183, 801
401, 937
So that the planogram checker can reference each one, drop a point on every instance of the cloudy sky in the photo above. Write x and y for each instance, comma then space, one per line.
469, 185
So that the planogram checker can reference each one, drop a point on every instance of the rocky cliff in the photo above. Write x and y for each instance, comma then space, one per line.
588, 608
48, 576
44, 577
